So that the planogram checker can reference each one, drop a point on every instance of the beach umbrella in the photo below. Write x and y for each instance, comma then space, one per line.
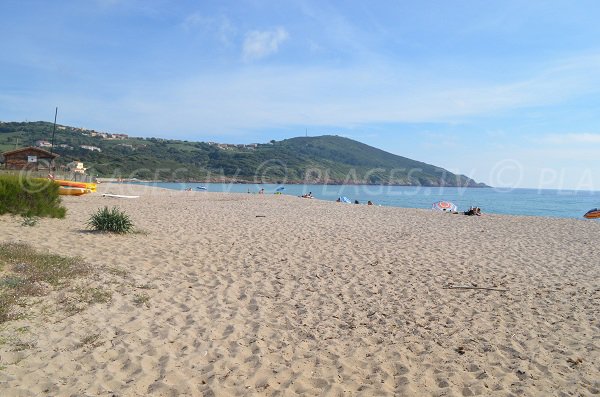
344, 199
444, 206
593, 214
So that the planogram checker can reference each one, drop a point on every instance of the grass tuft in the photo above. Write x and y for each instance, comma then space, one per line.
141, 299
7, 301
145, 286
30, 220
111, 220
117, 271
93, 295
19, 345
92, 340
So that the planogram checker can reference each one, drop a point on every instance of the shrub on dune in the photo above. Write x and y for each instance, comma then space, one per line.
111, 220
30, 197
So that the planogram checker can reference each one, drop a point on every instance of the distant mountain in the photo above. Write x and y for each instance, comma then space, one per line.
324, 159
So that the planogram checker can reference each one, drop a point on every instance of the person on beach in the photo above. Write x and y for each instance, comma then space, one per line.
473, 211
356, 202
369, 202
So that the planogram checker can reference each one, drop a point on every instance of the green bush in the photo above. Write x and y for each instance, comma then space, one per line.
30, 197
111, 220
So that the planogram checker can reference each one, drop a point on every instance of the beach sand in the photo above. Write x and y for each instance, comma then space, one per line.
244, 294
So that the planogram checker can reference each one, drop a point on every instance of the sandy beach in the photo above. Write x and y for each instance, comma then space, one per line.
246, 294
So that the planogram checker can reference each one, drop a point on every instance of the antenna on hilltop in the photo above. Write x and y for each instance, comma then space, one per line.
306, 132
54, 129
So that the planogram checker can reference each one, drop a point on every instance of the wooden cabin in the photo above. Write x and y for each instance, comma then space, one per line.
29, 158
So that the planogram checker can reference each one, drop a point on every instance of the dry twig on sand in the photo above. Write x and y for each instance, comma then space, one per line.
471, 287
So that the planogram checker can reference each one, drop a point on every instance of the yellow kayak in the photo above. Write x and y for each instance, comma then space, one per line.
90, 186
72, 191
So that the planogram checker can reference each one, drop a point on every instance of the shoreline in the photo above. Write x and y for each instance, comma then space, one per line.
388, 199
273, 294
295, 183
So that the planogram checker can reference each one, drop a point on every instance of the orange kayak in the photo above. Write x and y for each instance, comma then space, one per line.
70, 183
593, 214
82, 185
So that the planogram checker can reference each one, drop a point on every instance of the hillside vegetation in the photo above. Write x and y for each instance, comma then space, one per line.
323, 159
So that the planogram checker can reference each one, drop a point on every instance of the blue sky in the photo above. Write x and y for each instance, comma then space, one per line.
506, 92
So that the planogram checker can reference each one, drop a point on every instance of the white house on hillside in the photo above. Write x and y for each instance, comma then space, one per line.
92, 148
43, 144
76, 166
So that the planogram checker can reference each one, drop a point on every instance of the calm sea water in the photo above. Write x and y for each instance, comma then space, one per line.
553, 203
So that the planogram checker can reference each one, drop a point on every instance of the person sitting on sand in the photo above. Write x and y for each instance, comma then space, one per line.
473, 211
356, 202
309, 195
369, 202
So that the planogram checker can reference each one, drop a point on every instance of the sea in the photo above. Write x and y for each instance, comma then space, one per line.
535, 202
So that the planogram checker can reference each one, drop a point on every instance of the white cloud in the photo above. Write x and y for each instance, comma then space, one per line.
562, 139
219, 26
193, 20
257, 97
259, 44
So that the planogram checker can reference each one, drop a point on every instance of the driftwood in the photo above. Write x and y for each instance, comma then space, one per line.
470, 287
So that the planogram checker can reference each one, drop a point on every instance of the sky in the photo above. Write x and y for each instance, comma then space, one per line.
505, 92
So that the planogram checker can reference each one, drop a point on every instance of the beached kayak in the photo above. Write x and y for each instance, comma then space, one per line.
84, 185
592, 214
72, 191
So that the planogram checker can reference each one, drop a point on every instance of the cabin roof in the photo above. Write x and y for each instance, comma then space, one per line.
42, 152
